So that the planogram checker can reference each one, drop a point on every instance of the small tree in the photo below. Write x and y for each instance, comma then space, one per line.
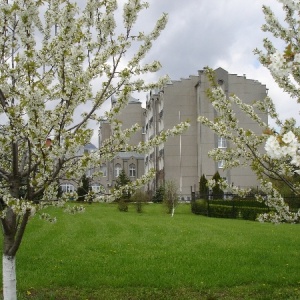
59, 192
203, 188
139, 198
216, 190
121, 183
60, 60
170, 196
83, 188
159, 195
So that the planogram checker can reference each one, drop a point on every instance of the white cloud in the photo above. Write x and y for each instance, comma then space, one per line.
219, 33
215, 33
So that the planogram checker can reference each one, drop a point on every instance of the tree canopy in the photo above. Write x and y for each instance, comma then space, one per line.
60, 60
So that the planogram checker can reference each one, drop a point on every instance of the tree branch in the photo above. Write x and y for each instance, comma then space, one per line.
3, 99
20, 232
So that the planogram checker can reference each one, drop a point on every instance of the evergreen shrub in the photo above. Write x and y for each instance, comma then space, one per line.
159, 195
222, 211
199, 207
233, 210
251, 213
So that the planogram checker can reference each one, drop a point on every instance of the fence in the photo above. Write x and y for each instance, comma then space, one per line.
233, 207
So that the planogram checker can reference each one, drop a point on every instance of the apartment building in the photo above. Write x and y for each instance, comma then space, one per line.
184, 159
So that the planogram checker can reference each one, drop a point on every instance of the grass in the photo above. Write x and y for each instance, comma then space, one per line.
107, 254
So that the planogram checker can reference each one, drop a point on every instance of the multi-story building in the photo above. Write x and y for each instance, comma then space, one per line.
132, 163
69, 185
184, 159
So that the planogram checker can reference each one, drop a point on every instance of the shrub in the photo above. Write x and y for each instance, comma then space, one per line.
229, 208
199, 207
170, 196
139, 198
159, 195
222, 211
251, 213
203, 188
121, 181
217, 191
84, 188
293, 202
122, 205
249, 203
238, 203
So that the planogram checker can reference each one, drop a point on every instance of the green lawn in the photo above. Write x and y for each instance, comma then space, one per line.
107, 254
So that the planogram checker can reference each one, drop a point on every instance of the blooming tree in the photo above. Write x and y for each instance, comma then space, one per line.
272, 154
59, 62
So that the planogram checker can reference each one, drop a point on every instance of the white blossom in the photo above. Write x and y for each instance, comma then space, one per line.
59, 58
273, 148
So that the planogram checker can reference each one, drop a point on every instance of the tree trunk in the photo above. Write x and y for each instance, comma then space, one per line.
12, 237
9, 277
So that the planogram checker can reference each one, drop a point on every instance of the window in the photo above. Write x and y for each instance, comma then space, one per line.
161, 153
150, 122
90, 172
132, 171
222, 143
151, 156
221, 164
117, 170
103, 170
96, 188
161, 113
67, 187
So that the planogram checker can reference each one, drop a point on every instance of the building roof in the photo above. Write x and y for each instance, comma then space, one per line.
131, 100
90, 147
130, 154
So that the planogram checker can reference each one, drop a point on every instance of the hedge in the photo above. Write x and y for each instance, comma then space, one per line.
236, 209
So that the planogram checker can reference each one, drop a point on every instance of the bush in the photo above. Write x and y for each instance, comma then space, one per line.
251, 213
122, 181
199, 207
293, 202
222, 211
83, 188
203, 188
238, 203
159, 195
216, 190
229, 209
170, 196
139, 198
122, 205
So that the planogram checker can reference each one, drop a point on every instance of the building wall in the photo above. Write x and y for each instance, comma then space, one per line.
181, 151
185, 158
130, 115
133, 113
246, 89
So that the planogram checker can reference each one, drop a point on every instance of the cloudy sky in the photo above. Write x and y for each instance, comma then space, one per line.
215, 33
